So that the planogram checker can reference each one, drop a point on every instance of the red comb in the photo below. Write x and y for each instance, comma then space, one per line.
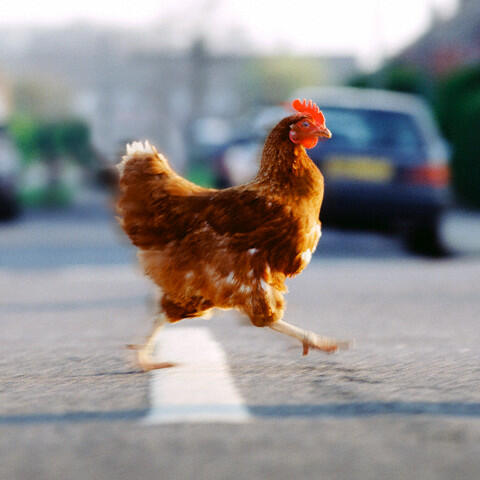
309, 108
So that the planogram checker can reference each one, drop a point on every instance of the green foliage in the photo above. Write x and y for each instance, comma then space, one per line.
362, 80
452, 93
58, 195
201, 175
398, 78
46, 140
406, 79
458, 110
52, 143
23, 128
73, 137
457, 106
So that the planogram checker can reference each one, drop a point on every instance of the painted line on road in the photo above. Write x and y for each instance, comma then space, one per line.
199, 388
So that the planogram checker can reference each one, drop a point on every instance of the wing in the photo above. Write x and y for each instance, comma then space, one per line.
157, 206
255, 222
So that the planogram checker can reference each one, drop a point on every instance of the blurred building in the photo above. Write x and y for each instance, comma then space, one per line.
448, 43
5, 100
129, 87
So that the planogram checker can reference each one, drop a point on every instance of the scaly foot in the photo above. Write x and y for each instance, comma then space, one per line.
327, 345
145, 359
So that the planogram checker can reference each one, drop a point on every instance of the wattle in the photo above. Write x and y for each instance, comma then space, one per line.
309, 142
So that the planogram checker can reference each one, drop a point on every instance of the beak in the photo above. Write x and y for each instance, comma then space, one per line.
324, 132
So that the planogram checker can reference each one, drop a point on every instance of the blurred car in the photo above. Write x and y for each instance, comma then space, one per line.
386, 166
237, 161
9, 169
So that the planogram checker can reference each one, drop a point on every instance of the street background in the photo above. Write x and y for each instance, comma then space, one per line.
76, 83
403, 402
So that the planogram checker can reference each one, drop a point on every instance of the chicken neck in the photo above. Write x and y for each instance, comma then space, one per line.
286, 168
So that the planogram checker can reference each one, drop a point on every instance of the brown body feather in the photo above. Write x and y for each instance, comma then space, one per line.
229, 248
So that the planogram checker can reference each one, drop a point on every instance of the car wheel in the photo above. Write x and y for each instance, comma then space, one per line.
9, 213
424, 238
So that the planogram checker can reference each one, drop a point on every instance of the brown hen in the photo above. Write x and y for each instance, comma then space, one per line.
230, 248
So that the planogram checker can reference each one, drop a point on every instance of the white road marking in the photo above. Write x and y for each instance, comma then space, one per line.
199, 388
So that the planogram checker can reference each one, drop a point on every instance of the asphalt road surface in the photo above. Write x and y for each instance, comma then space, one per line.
403, 403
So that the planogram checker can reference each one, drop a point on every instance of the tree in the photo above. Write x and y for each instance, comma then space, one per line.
458, 110
23, 129
395, 77
73, 137
51, 143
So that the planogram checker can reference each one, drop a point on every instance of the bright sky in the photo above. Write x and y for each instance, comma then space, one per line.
369, 29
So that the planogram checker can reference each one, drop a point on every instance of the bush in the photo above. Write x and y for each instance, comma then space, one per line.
456, 100
73, 137
458, 111
452, 93
406, 79
50, 145
362, 80
397, 78
22, 129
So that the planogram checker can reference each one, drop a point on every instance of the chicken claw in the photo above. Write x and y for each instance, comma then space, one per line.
327, 345
145, 353
146, 362
310, 339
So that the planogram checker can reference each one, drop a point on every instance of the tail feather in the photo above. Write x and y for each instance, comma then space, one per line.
149, 195
139, 150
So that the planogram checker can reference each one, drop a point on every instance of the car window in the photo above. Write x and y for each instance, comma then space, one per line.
373, 129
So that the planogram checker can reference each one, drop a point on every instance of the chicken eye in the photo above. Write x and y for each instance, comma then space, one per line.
306, 124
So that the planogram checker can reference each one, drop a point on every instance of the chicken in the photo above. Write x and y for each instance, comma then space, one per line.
231, 248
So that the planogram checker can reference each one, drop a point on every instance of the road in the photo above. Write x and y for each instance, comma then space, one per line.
404, 403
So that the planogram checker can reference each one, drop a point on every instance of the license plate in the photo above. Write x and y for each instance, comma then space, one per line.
363, 168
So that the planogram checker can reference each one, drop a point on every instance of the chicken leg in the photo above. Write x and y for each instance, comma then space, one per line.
309, 339
145, 352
